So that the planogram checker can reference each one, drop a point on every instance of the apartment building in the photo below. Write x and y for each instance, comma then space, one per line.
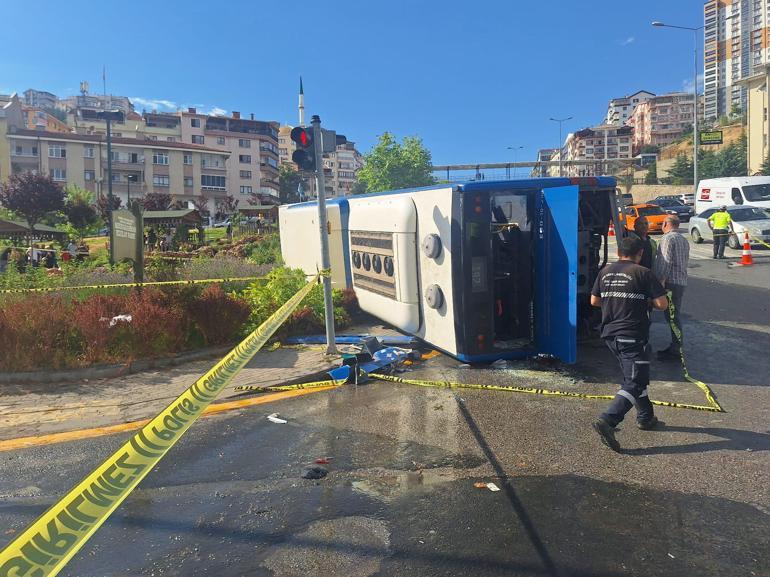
340, 167
543, 155
619, 110
662, 119
252, 170
40, 98
140, 164
598, 147
735, 37
38, 119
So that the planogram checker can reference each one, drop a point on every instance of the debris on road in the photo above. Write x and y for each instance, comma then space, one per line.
492, 487
274, 418
315, 473
322, 461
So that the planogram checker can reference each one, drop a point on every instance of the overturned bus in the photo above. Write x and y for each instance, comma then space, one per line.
481, 271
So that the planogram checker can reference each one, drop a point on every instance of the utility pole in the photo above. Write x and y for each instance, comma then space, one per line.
561, 146
108, 116
331, 347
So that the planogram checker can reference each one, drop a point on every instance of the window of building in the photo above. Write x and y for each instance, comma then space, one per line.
195, 122
115, 177
187, 158
57, 151
198, 139
244, 158
170, 138
188, 180
271, 161
160, 180
211, 181
246, 190
245, 174
221, 140
153, 138
244, 143
58, 173
159, 157
89, 175
89, 152
133, 158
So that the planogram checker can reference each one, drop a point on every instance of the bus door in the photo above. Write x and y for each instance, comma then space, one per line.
556, 272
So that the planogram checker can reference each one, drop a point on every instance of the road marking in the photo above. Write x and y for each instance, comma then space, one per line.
36, 441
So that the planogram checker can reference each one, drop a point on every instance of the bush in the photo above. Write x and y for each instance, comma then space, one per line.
282, 283
222, 266
37, 333
219, 316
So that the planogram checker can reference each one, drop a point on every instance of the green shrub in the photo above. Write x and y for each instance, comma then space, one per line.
282, 283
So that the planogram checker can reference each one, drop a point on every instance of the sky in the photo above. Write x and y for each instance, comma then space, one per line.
469, 78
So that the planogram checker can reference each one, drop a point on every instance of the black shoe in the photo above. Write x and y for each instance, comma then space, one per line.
647, 425
607, 434
667, 355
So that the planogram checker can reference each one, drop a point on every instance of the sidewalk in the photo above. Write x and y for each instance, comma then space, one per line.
32, 409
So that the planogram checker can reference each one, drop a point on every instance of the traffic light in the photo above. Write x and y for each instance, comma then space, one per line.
304, 156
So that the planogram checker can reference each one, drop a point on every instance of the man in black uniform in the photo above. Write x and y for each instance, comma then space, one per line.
623, 290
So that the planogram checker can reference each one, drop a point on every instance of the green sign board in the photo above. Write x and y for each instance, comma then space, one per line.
711, 137
124, 235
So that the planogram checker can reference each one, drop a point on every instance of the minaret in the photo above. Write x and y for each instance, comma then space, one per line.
301, 104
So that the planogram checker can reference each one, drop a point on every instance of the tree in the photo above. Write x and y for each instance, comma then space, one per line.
652, 174
202, 206
681, 171
288, 181
156, 201
104, 206
32, 196
765, 168
391, 165
79, 209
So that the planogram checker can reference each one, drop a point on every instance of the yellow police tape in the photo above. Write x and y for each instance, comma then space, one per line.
49, 543
299, 386
713, 405
134, 284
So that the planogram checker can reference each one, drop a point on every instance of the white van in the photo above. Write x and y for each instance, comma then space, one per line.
749, 190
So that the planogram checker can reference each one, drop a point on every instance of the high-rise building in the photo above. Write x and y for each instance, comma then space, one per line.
40, 98
599, 147
735, 37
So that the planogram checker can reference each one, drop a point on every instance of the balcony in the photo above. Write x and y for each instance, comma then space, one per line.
213, 165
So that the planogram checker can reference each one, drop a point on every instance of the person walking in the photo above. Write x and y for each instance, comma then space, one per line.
624, 290
152, 239
671, 270
721, 225
641, 231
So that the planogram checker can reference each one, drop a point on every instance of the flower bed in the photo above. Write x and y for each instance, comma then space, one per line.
44, 331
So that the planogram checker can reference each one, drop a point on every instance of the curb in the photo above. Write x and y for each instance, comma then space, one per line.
109, 371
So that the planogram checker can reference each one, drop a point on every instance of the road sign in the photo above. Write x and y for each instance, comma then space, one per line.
711, 137
125, 232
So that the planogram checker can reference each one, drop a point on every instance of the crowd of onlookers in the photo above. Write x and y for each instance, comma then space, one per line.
40, 256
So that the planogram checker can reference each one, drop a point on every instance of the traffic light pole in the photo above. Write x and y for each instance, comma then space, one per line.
331, 347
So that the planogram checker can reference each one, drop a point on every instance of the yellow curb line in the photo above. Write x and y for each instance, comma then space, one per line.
26, 442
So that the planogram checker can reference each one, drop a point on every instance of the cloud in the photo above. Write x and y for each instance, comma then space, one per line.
687, 84
154, 103
627, 41
216, 111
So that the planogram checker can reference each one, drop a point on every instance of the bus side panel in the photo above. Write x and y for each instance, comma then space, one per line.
301, 242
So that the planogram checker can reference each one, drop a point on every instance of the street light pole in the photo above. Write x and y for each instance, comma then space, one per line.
560, 148
695, 133
514, 149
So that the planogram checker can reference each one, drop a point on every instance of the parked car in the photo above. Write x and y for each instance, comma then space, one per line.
672, 205
627, 199
224, 224
687, 198
655, 216
753, 219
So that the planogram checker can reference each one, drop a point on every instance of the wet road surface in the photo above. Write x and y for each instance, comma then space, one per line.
399, 499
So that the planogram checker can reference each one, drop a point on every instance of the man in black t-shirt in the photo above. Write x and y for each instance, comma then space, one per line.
623, 290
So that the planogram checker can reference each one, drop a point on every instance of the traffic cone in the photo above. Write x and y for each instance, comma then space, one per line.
746, 259
612, 229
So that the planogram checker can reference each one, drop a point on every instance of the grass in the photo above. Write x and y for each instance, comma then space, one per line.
96, 244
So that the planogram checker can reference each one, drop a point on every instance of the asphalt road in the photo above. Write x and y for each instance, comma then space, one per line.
692, 499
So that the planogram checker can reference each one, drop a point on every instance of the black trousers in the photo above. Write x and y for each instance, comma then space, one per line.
633, 355
720, 240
